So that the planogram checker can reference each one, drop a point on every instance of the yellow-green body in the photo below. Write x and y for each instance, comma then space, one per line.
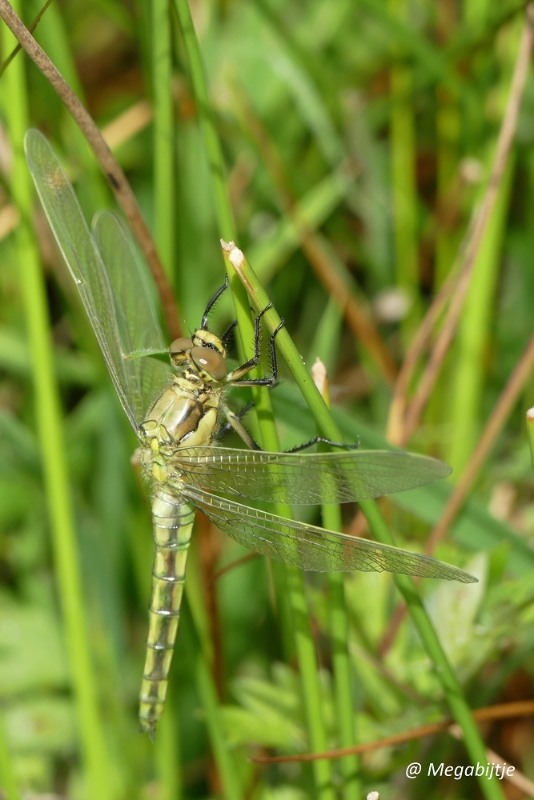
184, 415
177, 432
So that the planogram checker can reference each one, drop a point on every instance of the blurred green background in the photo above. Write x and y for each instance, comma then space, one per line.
358, 139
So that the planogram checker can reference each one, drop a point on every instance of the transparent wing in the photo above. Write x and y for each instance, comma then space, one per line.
137, 321
305, 478
311, 548
88, 270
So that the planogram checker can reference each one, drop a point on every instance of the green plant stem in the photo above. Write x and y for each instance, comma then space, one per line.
341, 668
167, 743
405, 204
167, 754
530, 431
164, 160
48, 415
475, 329
451, 688
403, 175
223, 209
303, 639
224, 759
8, 781
344, 704
448, 129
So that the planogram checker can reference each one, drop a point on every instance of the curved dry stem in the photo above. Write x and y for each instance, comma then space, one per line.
522, 708
116, 177
455, 502
493, 427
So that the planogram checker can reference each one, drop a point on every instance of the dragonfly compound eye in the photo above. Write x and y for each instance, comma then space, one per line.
179, 350
210, 361
180, 345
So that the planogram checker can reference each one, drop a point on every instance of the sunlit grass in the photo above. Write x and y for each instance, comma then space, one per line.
344, 149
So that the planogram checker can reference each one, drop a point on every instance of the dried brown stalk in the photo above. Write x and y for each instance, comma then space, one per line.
115, 175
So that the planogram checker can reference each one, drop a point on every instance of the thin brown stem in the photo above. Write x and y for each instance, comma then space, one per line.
523, 708
18, 47
112, 170
493, 427
418, 345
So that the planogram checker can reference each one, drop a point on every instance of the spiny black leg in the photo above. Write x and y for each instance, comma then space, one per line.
322, 440
272, 351
212, 302
225, 338
235, 376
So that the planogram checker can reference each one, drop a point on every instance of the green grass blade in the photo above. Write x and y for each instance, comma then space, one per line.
530, 432
475, 330
304, 641
164, 159
8, 781
48, 415
405, 201
459, 708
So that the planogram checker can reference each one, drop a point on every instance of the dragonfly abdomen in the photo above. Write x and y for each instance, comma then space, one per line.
173, 524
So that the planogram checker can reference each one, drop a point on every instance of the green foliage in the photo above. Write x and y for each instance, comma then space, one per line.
356, 139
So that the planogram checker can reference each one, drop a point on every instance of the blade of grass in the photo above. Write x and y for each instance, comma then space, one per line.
403, 167
304, 641
332, 273
451, 688
339, 632
312, 210
231, 783
110, 166
48, 415
475, 328
164, 188
448, 129
475, 325
460, 492
167, 743
477, 229
8, 780
53, 37
530, 432
167, 754
205, 682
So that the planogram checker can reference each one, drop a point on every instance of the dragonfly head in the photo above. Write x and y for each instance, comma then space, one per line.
204, 352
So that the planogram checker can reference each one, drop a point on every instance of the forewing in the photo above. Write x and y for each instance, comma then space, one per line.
306, 478
312, 548
137, 322
87, 268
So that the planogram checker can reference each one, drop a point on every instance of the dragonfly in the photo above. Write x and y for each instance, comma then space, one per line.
177, 411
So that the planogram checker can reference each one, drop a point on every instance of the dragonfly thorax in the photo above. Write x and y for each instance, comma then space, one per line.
185, 414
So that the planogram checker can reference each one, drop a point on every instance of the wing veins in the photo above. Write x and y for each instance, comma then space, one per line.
305, 479
311, 548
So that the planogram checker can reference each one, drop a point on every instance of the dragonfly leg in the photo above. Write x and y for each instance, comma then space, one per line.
322, 440
227, 427
234, 423
225, 338
212, 302
236, 376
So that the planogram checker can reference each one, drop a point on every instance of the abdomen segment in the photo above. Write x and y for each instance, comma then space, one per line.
173, 524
